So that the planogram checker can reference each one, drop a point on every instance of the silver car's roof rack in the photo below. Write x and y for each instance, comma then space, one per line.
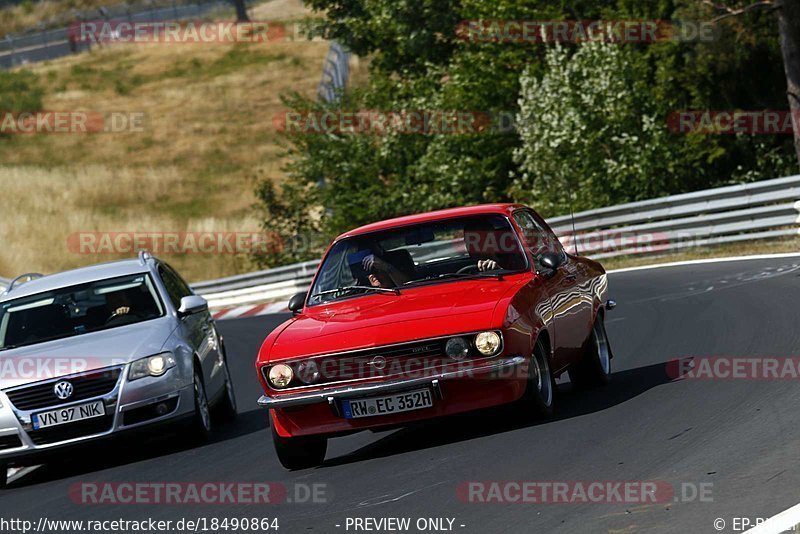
144, 255
27, 277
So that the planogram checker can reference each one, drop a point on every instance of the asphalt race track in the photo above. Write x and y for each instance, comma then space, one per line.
741, 438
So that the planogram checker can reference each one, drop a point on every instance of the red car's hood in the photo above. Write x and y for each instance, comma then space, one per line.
381, 319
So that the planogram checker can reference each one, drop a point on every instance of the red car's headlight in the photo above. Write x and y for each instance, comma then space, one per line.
280, 375
308, 371
488, 343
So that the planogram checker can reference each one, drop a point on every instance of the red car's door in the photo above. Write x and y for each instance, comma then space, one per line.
571, 314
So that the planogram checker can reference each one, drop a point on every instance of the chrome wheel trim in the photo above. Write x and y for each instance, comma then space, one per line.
601, 347
202, 404
544, 380
229, 387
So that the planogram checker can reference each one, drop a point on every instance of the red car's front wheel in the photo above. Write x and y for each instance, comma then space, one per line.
299, 453
540, 393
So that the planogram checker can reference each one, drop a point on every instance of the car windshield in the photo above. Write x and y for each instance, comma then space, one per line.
77, 310
426, 253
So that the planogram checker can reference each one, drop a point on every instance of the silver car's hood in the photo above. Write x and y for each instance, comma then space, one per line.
96, 350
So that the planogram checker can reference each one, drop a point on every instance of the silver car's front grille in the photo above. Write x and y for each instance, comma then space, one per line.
72, 431
85, 386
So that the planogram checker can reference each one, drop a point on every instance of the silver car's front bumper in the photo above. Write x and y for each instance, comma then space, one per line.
364, 390
16, 426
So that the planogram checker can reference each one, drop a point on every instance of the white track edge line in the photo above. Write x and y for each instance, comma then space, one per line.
782, 522
707, 260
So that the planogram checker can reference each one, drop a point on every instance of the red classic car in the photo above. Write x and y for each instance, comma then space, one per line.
431, 315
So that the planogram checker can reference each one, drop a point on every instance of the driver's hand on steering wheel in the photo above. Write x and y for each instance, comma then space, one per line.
122, 310
487, 265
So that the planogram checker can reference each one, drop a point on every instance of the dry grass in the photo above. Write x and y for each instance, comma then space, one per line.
30, 14
208, 138
747, 248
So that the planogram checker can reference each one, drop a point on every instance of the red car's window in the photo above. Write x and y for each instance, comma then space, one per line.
537, 239
438, 251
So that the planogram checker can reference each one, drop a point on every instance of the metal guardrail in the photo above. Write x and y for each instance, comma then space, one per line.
739, 213
54, 43
335, 73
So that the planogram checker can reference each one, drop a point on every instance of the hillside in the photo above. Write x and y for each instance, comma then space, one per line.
207, 138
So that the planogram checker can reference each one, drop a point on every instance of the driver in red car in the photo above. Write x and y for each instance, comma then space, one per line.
381, 273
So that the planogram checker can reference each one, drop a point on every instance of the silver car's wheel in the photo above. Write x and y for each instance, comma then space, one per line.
227, 409
3, 475
202, 414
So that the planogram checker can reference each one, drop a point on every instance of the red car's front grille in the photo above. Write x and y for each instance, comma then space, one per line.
405, 360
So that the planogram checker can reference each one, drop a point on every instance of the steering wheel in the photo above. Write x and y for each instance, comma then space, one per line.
468, 269
121, 318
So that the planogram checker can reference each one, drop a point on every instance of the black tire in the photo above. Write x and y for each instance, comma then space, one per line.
299, 453
3, 476
540, 393
200, 424
226, 409
595, 367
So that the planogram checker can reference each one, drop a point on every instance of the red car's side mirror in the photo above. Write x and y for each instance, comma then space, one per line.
551, 262
297, 302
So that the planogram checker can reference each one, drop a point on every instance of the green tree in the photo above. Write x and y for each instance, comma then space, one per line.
418, 61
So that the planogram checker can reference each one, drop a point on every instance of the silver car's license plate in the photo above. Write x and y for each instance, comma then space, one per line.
62, 416
400, 402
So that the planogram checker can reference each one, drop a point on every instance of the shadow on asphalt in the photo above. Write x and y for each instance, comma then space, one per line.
624, 386
137, 447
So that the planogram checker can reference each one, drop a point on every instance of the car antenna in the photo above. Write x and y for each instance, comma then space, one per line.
572, 216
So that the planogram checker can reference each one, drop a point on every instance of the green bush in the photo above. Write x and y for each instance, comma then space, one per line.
20, 91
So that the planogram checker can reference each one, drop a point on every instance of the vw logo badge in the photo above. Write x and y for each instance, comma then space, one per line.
378, 362
63, 390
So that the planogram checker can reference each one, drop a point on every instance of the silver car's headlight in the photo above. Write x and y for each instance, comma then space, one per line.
155, 365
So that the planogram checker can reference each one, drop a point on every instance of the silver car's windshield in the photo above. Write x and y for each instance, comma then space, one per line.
481, 246
79, 309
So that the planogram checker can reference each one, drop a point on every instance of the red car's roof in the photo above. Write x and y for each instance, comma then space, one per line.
505, 209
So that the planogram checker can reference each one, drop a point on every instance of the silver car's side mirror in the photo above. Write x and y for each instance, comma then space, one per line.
192, 304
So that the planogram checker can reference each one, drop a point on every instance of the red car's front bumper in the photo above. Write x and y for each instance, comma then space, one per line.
491, 383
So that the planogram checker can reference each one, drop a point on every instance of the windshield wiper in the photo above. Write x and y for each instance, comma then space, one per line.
394, 291
496, 276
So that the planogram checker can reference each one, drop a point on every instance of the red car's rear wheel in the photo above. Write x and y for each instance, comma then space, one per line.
595, 367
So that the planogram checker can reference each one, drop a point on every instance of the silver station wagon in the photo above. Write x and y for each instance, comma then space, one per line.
92, 352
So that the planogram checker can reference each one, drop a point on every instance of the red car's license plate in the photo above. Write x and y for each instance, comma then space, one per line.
400, 402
